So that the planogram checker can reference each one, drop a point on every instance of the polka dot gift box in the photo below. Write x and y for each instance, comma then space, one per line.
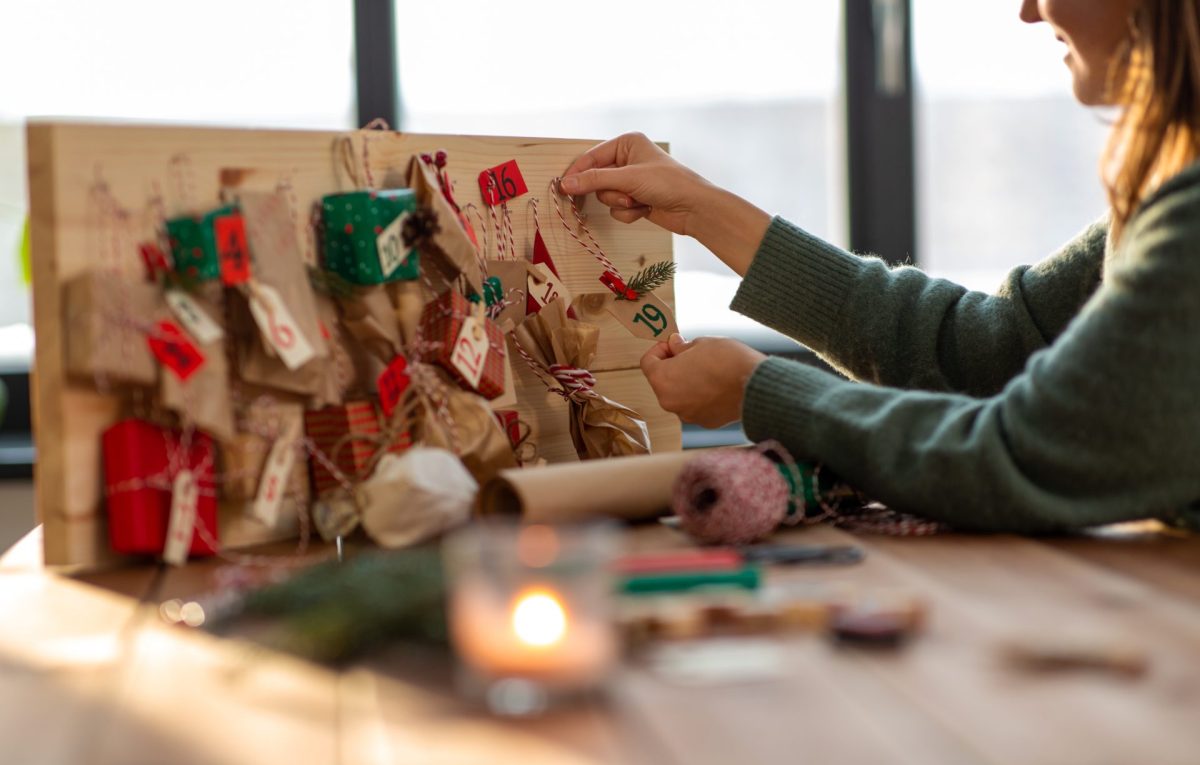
364, 241
194, 244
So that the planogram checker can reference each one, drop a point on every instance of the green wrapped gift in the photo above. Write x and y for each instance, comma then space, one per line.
194, 244
364, 241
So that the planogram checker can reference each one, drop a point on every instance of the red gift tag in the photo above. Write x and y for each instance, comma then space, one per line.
232, 250
502, 183
154, 260
392, 383
173, 349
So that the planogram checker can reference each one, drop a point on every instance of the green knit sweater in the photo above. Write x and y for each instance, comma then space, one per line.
1069, 398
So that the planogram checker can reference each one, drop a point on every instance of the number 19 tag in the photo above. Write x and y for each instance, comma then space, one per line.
647, 317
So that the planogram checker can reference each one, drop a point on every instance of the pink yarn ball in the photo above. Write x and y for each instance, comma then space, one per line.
731, 497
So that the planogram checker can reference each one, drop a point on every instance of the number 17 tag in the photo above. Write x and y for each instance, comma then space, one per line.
647, 317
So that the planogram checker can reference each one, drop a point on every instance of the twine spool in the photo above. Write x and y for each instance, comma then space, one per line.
731, 497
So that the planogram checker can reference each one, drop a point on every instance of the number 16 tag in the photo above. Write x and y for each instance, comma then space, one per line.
647, 317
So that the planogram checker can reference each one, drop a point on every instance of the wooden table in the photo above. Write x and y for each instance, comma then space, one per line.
89, 674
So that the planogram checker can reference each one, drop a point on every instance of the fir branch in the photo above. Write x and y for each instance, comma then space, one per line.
330, 284
652, 277
336, 611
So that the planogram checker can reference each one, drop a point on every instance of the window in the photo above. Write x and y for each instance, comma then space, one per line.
744, 93
1008, 161
278, 63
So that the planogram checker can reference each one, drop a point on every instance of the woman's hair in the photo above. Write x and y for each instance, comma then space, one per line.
1155, 80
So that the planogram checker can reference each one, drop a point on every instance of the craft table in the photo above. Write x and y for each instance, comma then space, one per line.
89, 674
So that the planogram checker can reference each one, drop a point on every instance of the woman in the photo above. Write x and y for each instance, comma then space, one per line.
1069, 398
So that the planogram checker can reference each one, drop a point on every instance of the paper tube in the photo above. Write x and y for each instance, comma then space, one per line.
631, 488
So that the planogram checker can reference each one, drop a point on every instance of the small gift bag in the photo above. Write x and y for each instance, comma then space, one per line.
453, 252
245, 457
350, 436
102, 312
561, 349
364, 236
468, 346
142, 462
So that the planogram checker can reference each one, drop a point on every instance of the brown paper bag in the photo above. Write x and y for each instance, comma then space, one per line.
513, 276
204, 399
409, 298
370, 318
278, 264
244, 456
450, 249
101, 313
600, 427
473, 432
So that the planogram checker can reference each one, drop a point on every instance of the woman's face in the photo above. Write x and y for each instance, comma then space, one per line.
1093, 31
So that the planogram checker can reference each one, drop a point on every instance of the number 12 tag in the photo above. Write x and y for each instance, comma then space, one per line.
647, 317
470, 350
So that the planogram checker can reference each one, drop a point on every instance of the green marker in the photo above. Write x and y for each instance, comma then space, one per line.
747, 578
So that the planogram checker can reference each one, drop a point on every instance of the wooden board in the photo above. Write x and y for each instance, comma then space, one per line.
72, 230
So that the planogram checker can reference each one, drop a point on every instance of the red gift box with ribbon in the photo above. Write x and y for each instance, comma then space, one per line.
347, 435
141, 461
469, 346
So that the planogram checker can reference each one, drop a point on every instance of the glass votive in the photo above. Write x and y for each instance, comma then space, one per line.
530, 611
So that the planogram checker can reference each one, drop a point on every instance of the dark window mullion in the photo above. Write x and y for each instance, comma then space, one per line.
881, 176
375, 61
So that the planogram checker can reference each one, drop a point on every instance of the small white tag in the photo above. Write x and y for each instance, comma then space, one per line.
185, 494
193, 317
390, 246
279, 328
470, 350
544, 286
277, 472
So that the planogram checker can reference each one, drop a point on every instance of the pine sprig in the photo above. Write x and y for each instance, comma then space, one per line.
330, 284
652, 277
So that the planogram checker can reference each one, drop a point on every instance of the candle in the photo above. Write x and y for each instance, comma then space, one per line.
532, 603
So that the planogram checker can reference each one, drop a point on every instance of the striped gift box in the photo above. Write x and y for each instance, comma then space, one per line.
442, 322
327, 427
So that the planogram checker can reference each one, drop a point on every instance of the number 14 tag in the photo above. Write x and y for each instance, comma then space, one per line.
647, 317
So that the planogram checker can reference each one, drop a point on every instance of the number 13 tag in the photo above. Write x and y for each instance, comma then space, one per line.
647, 317
470, 350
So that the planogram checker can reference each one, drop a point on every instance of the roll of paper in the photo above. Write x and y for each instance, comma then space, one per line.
630, 488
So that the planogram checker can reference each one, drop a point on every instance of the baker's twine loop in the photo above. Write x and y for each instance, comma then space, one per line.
576, 383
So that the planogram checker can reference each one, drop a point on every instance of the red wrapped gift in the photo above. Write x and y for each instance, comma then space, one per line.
141, 460
330, 430
510, 423
469, 346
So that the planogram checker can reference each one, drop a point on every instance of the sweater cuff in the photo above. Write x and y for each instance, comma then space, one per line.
797, 284
780, 400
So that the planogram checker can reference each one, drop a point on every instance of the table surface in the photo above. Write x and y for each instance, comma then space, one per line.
89, 673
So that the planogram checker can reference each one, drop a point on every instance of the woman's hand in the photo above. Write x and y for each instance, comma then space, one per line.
703, 381
636, 179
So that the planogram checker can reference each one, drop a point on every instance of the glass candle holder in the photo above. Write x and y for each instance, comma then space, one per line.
530, 612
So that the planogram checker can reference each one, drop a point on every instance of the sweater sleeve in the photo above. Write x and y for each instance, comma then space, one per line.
902, 328
1101, 427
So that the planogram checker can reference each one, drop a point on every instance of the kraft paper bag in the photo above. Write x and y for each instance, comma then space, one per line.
450, 249
600, 427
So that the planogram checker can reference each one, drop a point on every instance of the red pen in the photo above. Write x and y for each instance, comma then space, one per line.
712, 559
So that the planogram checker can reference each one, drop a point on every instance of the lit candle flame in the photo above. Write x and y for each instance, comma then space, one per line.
539, 619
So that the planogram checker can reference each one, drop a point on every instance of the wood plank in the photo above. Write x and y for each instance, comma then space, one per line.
75, 170
985, 590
